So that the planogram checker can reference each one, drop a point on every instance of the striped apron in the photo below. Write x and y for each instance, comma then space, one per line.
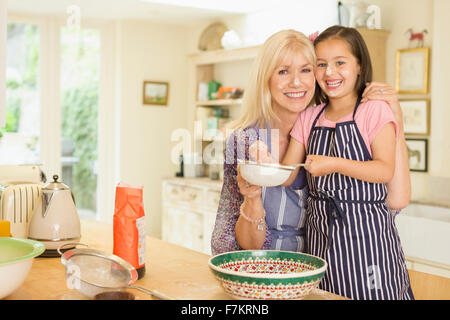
349, 224
285, 209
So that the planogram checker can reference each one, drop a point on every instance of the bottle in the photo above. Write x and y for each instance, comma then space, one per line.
213, 87
181, 172
129, 226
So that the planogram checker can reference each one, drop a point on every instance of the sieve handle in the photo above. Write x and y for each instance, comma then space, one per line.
155, 293
68, 244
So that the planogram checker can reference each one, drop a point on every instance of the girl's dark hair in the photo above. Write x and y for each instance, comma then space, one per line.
359, 50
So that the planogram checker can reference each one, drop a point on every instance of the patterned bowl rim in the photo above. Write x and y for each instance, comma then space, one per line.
268, 275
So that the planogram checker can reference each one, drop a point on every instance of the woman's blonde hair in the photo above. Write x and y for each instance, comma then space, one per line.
257, 100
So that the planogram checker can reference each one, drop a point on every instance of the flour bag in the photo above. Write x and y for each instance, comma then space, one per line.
129, 226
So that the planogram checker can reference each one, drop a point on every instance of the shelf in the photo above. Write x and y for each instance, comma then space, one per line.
383, 32
217, 56
219, 102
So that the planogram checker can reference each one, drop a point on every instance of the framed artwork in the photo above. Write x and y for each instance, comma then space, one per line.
412, 70
416, 116
155, 93
417, 154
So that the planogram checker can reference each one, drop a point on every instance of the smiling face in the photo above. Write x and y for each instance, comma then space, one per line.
292, 83
337, 68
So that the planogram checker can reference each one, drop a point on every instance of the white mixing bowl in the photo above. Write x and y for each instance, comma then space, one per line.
16, 258
264, 174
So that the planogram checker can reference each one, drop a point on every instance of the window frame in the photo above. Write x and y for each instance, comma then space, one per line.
50, 102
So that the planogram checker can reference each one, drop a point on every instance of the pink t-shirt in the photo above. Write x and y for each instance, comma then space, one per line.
370, 117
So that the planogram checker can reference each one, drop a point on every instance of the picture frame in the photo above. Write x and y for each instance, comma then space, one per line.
155, 93
416, 116
417, 154
412, 70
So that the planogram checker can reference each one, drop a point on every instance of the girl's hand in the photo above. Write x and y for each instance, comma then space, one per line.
246, 189
259, 152
320, 165
383, 91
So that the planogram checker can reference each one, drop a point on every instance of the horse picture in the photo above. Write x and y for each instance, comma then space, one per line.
417, 154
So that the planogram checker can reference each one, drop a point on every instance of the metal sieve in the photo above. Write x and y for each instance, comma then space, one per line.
91, 271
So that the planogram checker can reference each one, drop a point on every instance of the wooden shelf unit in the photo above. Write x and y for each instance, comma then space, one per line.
376, 40
201, 69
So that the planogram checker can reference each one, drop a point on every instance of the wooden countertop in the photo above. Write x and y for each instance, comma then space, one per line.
171, 269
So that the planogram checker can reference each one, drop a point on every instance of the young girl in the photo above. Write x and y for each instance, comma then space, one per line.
350, 148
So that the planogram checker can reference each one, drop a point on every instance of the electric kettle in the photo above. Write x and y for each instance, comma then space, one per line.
55, 220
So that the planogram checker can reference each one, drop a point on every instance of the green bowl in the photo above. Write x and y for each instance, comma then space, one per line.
16, 258
267, 274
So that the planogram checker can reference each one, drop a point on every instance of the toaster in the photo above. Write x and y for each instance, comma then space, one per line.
20, 191
17, 203
25, 173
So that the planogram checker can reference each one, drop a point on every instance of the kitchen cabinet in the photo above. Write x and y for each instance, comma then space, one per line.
189, 208
185, 228
376, 43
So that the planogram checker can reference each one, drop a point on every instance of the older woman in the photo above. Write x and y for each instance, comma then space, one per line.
281, 86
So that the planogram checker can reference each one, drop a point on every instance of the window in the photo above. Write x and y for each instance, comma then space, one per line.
58, 107
19, 140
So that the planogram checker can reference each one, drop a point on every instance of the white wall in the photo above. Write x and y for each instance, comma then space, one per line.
440, 83
149, 51
398, 16
439, 181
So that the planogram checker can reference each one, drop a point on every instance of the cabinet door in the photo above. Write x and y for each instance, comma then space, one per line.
184, 228
212, 200
190, 197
